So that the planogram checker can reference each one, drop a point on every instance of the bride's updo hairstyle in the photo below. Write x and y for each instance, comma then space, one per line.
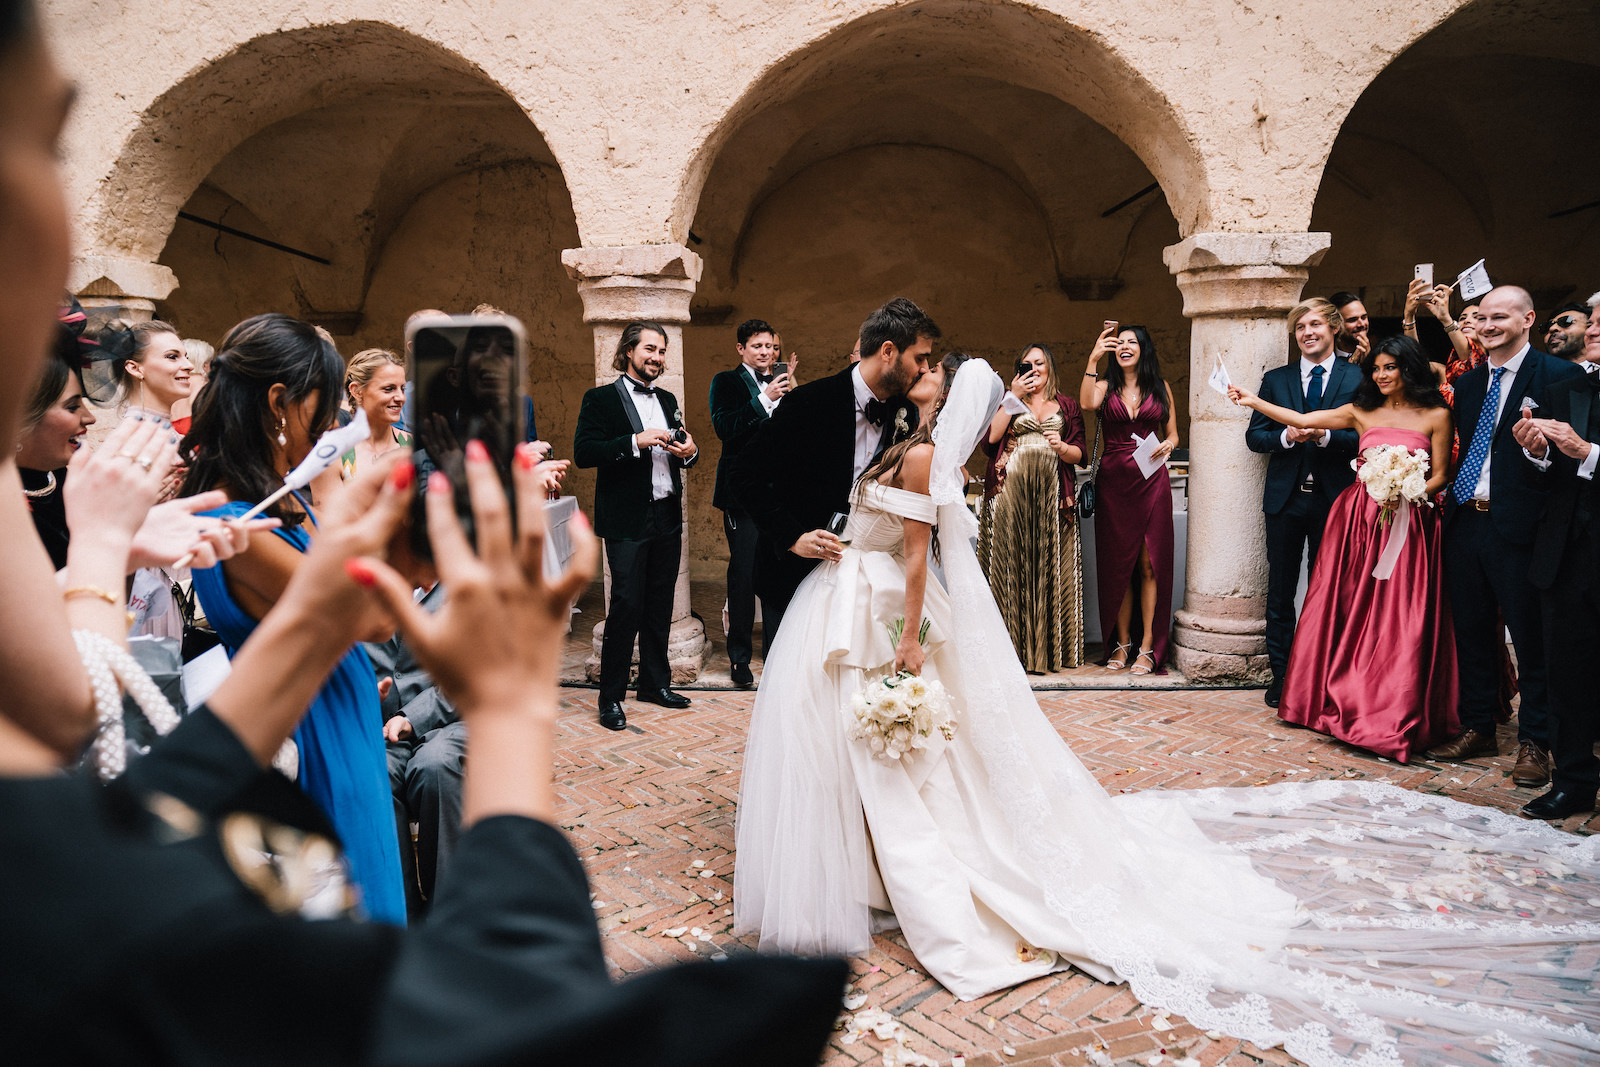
1417, 380
894, 457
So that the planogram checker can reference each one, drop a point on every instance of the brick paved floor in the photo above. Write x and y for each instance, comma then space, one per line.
651, 810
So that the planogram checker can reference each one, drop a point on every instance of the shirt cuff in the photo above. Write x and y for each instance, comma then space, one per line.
1326, 439
1542, 464
1283, 439
633, 443
1586, 468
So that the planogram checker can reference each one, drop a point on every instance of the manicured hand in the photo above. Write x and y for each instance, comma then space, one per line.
110, 490
175, 531
818, 544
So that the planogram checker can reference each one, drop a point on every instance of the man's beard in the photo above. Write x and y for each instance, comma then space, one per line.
898, 381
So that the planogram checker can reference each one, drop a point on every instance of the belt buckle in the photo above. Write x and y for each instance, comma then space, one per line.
1479, 505
1308, 486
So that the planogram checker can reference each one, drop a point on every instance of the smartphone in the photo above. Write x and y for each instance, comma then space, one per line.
1425, 272
1023, 367
780, 369
1111, 324
465, 374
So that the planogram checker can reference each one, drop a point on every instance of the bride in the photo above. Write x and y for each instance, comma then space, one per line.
1349, 922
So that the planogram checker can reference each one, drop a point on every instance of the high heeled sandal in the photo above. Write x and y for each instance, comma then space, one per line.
1119, 657
1148, 654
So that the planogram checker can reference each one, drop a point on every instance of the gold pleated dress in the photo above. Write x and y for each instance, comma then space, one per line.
1030, 550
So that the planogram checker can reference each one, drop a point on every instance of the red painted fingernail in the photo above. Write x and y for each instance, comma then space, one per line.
476, 452
360, 573
438, 482
400, 477
525, 457
582, 519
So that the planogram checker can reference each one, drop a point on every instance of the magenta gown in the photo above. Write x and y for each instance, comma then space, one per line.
1374, 661
1132, 511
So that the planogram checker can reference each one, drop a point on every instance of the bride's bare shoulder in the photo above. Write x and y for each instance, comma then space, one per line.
914, 469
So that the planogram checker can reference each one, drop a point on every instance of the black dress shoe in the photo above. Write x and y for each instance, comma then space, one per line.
664, 697
1558, 804
612, 717
742, 676
1274, 693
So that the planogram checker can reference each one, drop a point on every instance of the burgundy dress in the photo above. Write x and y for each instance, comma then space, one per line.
1131, 512
1374, 661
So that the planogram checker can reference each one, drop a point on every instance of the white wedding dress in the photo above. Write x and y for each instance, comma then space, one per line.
1349, 922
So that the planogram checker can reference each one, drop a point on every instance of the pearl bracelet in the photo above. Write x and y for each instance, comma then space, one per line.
108, 663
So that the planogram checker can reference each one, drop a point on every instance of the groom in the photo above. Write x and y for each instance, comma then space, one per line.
799, 467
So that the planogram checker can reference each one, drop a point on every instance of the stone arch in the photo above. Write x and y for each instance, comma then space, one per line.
1470, 143
1017, 43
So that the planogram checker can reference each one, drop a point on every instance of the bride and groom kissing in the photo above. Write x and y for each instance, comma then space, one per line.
1286, 915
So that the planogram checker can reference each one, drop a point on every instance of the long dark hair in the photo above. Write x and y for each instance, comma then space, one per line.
894, 457
230, 440
1417, 380
1147, 373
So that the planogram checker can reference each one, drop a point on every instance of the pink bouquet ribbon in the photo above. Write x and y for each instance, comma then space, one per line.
1395, 542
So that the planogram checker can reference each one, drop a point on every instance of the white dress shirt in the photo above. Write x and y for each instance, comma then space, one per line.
1586, 468
1510, 373
1305, 384
866, 434
767, 404
651, 417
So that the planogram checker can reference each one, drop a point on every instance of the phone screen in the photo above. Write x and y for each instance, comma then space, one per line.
466, 374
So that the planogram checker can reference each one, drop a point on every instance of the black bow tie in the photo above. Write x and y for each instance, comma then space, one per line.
642, 390
877, 410
765, 379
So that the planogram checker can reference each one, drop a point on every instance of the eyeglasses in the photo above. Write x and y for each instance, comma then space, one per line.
1566, 322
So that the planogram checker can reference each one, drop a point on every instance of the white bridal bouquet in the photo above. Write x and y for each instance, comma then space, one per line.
898, 713
1391, 474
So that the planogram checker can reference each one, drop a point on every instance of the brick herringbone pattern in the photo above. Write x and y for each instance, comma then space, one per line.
651, 811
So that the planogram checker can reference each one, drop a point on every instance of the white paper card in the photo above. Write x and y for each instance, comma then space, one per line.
1012, 406
1474, 281
1144, 454
1219, 379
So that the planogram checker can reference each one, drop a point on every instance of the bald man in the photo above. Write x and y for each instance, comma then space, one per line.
1492, 510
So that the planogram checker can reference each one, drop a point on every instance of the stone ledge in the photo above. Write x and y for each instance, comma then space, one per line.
633, 261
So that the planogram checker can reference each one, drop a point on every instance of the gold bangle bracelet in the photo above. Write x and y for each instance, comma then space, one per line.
114, 599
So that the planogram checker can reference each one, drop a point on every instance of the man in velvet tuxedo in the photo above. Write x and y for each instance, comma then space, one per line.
1564, 444
800, 465
1492, 510
1307, 468
741, 400
632, 431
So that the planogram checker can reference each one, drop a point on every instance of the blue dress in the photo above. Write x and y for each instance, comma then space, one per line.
343, 765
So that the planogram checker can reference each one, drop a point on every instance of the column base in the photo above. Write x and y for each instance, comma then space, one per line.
1221, 639
686, 652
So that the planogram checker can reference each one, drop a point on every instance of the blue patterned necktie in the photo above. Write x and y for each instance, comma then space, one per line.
1314, 392
1482, 436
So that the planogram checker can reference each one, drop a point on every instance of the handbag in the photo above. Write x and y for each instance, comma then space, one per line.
1086, 491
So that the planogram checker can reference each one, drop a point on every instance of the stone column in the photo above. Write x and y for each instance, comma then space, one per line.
117, 281
619, 285
1236, 288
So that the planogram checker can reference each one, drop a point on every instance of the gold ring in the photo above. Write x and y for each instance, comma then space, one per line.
125, 454
146, 461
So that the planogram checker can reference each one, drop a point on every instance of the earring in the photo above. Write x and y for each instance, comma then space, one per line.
282, 440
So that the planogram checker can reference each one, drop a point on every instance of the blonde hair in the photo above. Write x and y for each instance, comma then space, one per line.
363, 365
199, 352
1326, 308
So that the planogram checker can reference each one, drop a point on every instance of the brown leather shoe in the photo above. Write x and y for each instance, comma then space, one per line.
1466, 745
1533, 765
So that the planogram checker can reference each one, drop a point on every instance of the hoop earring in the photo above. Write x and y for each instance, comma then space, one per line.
282, 440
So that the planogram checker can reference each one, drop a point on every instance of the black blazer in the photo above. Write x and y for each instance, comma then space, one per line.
607, 424
1569, 532
1329, 465
796, 471
736, 411
1516, 493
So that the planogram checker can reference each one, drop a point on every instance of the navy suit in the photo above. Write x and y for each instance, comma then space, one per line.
736, 412
1566, 570
1487, 554
1302, 482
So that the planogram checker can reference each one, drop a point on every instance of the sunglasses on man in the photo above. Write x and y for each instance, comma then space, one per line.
1566, 322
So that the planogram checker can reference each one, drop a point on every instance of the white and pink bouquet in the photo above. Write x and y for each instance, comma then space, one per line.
1392, 474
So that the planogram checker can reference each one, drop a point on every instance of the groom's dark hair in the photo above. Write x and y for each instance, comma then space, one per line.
900, 322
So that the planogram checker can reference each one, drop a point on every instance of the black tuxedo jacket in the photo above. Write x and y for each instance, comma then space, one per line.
1516, 494
1328, 465
736, 411
1569, 532
796, 471
607, 424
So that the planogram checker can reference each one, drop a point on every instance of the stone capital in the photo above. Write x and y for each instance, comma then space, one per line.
1244, 274
630, 282
111, 281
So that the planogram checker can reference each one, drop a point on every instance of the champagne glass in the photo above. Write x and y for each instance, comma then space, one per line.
836, 525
